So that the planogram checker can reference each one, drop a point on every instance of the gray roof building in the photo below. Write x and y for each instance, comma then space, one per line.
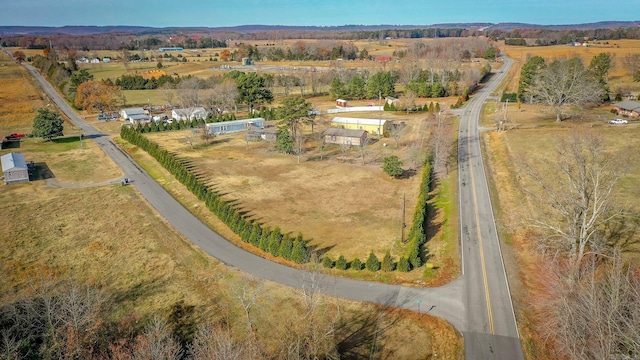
14, 168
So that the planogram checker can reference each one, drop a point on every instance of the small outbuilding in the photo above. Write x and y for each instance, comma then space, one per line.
258, 134
228, 127
341, 103
345, 136
197, 112
14, 168
135, 115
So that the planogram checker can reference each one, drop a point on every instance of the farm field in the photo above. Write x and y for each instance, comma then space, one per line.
75, 225
20, 98
341, 206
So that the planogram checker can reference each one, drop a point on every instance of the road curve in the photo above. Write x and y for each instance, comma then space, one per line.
490, 329
454, 302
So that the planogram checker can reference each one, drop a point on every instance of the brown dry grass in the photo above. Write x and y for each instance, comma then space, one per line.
346, 208
20, 97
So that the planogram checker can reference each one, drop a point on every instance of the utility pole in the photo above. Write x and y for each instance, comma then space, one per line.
404, 202
379, 115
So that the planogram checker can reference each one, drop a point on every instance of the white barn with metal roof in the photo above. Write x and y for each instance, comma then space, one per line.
14, 168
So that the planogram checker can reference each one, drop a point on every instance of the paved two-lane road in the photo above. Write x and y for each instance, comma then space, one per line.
490, 326
462, 302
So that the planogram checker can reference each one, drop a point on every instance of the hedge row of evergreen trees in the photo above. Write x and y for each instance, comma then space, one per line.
424, 108
267, 239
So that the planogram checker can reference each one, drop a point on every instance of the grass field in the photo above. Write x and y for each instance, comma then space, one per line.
20, 98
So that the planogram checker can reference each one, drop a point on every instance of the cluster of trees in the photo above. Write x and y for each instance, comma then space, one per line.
562, 83
61, 318
138, 82
263, 237
588, 298
380, 84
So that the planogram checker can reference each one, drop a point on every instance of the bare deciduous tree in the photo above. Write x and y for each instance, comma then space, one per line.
577, 200
566, 82
595, 317
247, 294
156, 343
214, 342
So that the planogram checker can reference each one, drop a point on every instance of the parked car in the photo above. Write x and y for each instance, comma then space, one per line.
14, 136
618, 121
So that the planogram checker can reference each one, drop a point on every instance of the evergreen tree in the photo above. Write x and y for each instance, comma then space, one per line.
246, 233
403, 264
327, 262
414, 254
372, 263
356, 264
387, 262
47, 124
274, 241
341, 263
256, 233
264, 239
286, 246
299, 253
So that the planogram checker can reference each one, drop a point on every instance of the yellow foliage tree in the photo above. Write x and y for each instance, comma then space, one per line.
97, 95
225, 55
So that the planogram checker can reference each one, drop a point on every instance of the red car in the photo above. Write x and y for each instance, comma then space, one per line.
14, 136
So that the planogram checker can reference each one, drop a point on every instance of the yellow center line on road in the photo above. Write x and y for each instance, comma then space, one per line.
482, 262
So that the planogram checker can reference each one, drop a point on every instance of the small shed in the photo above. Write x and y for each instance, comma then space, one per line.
190, 113
135, 115
341, 103
345, 136
257, 134
228, 127
14, 168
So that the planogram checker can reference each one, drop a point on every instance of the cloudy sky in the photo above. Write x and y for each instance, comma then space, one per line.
214, 13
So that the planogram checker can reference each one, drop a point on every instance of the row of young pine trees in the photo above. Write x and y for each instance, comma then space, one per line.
272, 240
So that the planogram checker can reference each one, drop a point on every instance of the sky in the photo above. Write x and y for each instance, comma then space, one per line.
217, 13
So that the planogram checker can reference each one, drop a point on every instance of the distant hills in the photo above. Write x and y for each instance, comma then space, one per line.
249, 29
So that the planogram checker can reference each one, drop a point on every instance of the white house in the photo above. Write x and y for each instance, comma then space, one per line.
135, 115
95, 61
191, 113
14, 168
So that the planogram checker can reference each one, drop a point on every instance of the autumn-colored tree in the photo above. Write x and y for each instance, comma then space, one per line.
225, 55
97, 95
19, 56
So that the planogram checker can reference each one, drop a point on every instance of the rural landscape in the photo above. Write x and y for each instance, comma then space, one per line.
272, 192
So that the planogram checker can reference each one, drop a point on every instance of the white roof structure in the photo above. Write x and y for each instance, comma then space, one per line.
12, 161
132, 111
358, 121
197, 112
